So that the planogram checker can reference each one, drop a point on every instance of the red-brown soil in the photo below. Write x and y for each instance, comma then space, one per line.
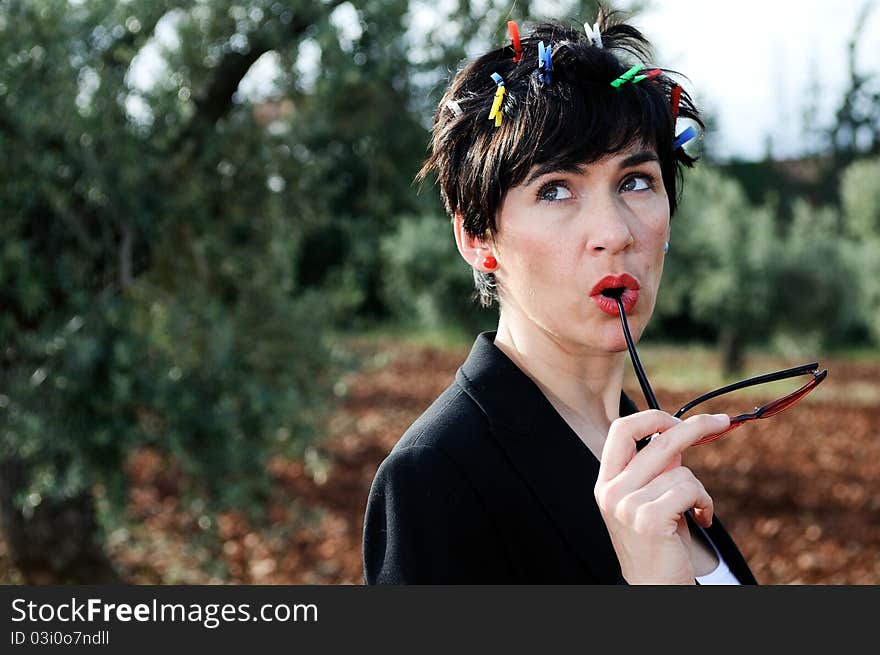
799, 492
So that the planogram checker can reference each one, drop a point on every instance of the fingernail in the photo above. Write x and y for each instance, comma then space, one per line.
724, 416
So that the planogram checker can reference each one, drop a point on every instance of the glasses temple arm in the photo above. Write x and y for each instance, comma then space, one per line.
750, 382
637, 365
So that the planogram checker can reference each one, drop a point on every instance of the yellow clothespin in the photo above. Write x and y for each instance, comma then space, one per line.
495, 114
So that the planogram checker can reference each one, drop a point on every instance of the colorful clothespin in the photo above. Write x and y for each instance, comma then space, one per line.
495, 114
593, 35
675, 97
545, 61
650, 75
454, 107
626, 77
514, 37
684, 137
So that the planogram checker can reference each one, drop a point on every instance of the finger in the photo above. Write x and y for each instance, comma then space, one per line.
655, 458
633, 502
620, 444
702, 517
671, 505
666, 481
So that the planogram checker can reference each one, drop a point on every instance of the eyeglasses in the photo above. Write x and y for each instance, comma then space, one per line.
765, 411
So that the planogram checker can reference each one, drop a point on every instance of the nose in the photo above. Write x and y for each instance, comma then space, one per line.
609, 229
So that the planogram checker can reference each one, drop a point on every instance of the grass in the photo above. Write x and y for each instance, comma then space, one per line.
672, 367
691, 368
855, 353
698, 366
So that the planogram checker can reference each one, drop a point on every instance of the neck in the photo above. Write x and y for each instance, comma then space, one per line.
583, 385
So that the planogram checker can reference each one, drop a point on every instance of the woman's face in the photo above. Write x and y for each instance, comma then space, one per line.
561, 232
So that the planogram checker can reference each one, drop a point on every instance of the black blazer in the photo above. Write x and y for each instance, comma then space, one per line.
491, 486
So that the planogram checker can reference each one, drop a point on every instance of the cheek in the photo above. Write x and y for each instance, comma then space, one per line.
655, 235
529, 250
657, 219
535, 266
656, 223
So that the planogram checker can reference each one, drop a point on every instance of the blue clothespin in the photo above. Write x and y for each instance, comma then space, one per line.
545, 61
684, 137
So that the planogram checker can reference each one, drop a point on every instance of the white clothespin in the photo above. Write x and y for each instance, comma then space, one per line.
454, 107
593, 35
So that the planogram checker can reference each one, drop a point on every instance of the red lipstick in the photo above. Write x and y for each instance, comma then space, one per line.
613, 285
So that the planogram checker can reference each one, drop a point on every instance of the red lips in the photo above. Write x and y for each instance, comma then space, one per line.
629, 298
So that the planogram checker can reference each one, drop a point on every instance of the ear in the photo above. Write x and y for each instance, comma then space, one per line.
472, 249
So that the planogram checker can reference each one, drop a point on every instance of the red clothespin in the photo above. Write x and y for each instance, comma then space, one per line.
514, 37
676, 96
650, 75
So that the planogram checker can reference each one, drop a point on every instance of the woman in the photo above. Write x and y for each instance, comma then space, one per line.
558, 163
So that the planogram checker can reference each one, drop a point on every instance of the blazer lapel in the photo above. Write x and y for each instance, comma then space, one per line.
549, 456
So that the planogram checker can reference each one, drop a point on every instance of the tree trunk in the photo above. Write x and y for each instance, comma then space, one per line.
732, 352
56, 544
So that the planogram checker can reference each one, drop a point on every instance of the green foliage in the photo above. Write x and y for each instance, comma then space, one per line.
814, 278
860, 197
867, 254
709, 228
425, 281
149, 259
732, 266
220, 388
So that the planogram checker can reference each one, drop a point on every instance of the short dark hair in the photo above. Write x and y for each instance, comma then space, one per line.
576, 119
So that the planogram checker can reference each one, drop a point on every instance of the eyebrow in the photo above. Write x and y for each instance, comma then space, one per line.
548, 168
632, 160
639, 158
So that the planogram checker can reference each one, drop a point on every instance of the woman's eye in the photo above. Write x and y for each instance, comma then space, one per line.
638, 183
553, 192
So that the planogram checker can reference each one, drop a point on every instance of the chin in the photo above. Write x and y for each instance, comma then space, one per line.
618, 346
614, 338
606, 340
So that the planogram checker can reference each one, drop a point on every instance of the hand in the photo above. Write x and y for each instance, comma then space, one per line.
643, 495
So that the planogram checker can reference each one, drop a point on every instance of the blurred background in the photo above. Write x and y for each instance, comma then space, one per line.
223, 299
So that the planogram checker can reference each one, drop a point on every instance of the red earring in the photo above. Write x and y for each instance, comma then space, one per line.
490, 262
